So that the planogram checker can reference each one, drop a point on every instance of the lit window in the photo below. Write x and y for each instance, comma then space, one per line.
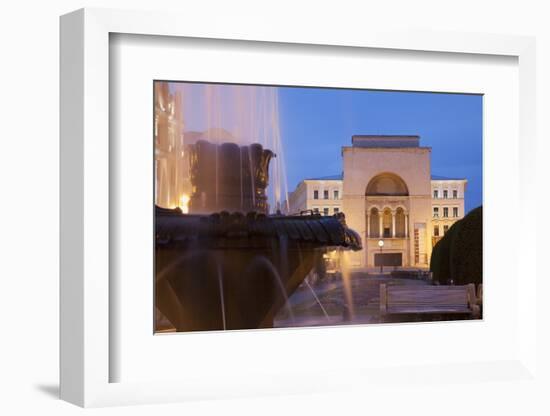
445, 212
445, 229
445, 194
436, 194
336, 194
455, 212
325, 194
316, 194
455, 193
436, 212
436, 231
336, 210
325, 211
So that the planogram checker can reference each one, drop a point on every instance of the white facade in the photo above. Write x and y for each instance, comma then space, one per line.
447, 204
387, 193
317, 194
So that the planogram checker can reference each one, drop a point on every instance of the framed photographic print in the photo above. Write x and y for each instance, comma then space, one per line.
237, 208
254, 229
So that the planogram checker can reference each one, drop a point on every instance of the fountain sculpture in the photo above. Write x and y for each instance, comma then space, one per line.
235, 268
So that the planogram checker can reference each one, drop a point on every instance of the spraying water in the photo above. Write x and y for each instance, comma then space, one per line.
218, 113
346, 279
317, 299
222, 299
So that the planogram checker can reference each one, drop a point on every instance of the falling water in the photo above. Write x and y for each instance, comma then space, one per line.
222, 299
346, 279
242, 114
317, 299
310, 288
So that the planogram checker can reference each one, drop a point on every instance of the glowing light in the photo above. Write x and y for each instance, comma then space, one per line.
184, 203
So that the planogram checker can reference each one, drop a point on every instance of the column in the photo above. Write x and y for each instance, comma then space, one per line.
406, 225
393, 224
368, 225
380, 224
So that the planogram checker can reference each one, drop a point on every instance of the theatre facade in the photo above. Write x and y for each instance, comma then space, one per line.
389, 195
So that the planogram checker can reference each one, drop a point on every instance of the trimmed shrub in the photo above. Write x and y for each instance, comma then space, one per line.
466, 254
458, 255
440, 263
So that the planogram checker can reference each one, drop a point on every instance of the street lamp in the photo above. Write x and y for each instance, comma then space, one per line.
381, 245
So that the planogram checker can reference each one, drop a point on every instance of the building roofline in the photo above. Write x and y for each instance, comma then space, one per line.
445, 178
385, 136
337, 177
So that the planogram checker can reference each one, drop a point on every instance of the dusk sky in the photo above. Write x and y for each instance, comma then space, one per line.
316, 122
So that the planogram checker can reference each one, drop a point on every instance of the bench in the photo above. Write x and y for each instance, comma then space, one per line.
434, 300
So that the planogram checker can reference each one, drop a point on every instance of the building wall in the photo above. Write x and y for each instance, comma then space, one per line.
449, 201
412, 165
303, 198
171, 163
411, 232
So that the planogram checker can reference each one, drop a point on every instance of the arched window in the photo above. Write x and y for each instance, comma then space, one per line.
374, 223
400, 222
387, 223
387, 184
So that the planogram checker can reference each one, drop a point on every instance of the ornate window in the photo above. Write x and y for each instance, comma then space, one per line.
387, 223
400, 222
374, 223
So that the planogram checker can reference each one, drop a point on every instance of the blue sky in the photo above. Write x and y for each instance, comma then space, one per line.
316, 123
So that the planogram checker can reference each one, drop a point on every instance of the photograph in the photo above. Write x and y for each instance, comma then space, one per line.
288, 206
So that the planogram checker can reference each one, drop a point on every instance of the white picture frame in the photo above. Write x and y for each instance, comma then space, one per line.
85, 217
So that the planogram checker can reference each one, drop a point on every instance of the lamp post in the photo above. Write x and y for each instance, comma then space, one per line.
381, 245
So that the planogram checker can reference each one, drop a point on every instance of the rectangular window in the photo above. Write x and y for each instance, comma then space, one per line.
455, 212
445, 229
336, 210
445, 212
436, 212
315, 210
336, 194
436, 194
445, 194
455, 193
325, 211
325, 194
436, 230
316, 194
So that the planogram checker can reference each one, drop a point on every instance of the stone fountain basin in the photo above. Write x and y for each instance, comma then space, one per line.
235, 271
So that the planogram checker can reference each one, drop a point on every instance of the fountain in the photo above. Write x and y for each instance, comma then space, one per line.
228, 264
